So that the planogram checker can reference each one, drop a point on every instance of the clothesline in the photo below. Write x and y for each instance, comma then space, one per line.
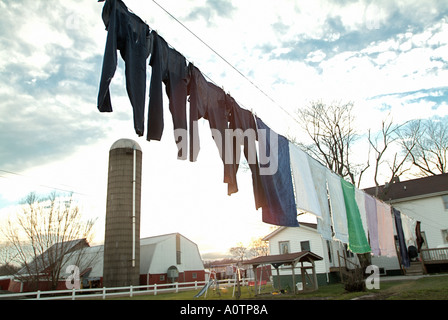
299, 182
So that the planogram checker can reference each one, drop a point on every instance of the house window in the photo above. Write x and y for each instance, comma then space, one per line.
445, 236
162, 277
305, 246
445, 202
348, 253
194, 275
284, 247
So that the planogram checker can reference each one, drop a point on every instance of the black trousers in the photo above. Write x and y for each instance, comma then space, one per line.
169, 67
131, 36
241, 119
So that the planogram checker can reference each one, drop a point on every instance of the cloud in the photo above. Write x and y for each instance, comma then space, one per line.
210, 10
48, 85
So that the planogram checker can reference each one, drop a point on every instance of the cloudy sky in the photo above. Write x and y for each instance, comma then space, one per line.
389, 57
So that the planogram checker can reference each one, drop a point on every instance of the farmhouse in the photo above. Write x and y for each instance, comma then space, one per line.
286, 240
426, 201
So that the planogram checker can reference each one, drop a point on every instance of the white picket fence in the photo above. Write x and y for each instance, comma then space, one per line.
104, 293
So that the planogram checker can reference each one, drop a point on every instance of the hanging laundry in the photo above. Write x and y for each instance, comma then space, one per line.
337, 206
306, 196
357, 240
357, 237
409, 224
127, 33
197, 89
280, 208
419, 236
217, 114
361, 202
385, 230
372, 224
318, 173
244, 128
208, 101
401, 240
169, 67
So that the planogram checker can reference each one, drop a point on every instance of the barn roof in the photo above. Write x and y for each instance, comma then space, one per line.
53, 254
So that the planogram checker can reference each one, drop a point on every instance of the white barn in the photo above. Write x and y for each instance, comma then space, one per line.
170, 258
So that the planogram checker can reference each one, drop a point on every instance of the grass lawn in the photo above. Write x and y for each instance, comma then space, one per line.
427, 288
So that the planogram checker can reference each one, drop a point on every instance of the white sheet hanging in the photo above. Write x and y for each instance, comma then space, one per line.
360, 197
338, 212
305, 191
409, 224
318, 173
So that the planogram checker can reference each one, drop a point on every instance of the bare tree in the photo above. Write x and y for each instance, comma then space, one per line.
331, 129
258, 248
45, 234
239, 252
386, 145
429, 154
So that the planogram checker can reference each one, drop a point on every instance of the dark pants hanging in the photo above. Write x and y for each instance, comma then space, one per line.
243, 120
131, 36
169, 67
198, 91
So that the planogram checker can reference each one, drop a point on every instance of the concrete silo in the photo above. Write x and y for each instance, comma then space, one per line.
122, 234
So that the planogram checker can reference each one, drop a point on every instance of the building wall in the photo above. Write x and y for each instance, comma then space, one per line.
161, 278
159, 253
432, 214
4, 283
295, 236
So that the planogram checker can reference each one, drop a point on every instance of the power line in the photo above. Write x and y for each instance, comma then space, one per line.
41, 185
226, 61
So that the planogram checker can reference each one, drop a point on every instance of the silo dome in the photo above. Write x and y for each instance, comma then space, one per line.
125, 144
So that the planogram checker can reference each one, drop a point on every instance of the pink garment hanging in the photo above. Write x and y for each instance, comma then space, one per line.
385, 230
372, 223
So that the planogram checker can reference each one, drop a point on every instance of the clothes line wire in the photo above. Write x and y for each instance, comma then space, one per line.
226, 61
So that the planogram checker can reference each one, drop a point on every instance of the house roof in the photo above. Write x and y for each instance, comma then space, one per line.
286, 258
280, 229
421, 187
88, 258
